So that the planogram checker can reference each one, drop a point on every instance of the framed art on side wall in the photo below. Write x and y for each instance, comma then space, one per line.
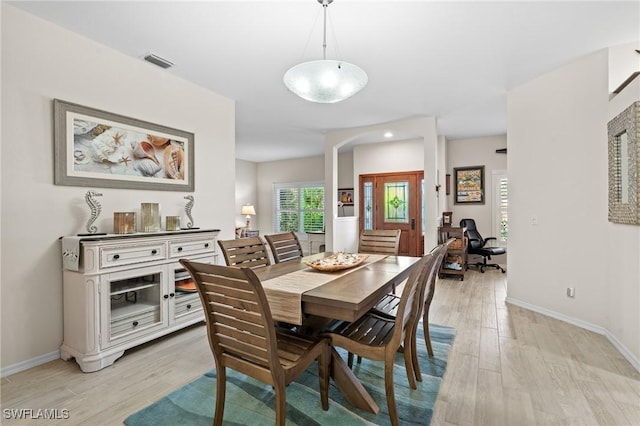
469, 185
345, 196
102, 149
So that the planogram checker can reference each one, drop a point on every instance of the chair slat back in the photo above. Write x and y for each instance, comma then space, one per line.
408, 297
245, 252
426, 287
285, 246
239, 324
383, 241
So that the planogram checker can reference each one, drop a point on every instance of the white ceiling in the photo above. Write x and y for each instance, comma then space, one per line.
452, 60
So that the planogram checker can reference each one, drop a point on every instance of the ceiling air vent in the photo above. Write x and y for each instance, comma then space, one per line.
157, 60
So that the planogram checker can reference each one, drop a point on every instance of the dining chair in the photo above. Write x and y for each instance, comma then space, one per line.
284, 246
245, 252
423, 302
388, 306
379, 338
380, 241
242, 335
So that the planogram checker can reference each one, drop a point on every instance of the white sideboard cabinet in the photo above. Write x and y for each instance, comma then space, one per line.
124, 290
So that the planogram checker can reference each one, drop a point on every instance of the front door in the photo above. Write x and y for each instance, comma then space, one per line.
394, 201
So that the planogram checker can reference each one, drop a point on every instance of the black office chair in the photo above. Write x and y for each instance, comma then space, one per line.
477, 245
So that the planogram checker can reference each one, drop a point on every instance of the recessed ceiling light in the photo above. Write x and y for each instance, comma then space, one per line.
388, 134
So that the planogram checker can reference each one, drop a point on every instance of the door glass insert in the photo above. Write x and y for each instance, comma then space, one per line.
368, 205
396, 196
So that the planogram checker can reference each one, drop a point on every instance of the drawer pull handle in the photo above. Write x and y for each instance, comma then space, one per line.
172, 294
166, 296
135, 323
154, 251
179, 248
116, 256
188, 307
206, 245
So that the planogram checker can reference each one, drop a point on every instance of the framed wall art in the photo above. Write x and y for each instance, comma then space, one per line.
469, 185
102, 149
345, 196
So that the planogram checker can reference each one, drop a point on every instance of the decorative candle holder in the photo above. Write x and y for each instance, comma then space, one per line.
124, 223
172, 223
150, 217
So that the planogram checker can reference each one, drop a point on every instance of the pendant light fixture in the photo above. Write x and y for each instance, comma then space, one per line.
325, 81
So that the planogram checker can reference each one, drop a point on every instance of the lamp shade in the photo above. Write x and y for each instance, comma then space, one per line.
248, 210
325, 81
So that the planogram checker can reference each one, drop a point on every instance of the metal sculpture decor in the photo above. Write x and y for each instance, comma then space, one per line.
187, 210
95, 208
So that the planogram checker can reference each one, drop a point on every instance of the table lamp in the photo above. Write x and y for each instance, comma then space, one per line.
248, 210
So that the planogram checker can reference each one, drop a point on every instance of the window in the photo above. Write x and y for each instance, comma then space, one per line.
299, 207
500, 205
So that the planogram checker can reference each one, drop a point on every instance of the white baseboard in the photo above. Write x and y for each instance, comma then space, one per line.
30, 363
635, 362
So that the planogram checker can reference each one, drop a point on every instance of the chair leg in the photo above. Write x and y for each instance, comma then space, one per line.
221, 385
427, 336
281, 404
414, 353
490, 265
350, 360
323, 376
408, 362
391, 397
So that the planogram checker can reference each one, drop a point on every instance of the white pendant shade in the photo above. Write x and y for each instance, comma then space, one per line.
325, 81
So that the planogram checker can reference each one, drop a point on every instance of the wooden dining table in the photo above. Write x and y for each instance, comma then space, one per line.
343, 295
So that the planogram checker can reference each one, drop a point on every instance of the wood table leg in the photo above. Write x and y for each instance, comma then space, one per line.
350, 386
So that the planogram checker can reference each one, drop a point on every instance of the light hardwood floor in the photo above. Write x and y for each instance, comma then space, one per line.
507, 366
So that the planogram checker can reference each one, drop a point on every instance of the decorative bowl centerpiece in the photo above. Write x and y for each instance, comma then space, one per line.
337, 262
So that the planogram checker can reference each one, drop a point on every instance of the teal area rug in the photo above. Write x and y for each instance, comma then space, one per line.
250, 402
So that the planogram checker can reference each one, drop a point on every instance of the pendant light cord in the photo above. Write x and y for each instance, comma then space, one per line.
324, 31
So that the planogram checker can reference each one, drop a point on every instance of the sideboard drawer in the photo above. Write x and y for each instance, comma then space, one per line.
187, 304
189, 247
127, 255
131, 323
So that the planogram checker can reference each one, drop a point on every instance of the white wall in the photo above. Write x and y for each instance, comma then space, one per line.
557, 137
443, 199
409, 155
388, 157
40, 62
623, 245
346, 180
306, 169
246, 191
477, 152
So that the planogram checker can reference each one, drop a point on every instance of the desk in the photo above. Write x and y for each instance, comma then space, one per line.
347, 297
